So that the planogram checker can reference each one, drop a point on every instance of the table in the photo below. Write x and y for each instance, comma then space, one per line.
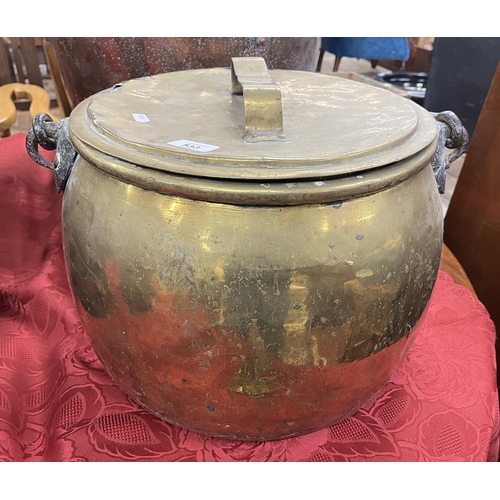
57, 403
450, 265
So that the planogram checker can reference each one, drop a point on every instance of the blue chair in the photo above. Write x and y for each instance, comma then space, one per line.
374, 49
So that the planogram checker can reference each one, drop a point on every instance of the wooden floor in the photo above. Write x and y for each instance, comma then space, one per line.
347, 64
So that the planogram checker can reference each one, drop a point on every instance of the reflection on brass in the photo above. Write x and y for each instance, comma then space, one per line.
88, 280
369, 326
261, 98
253, 379
137, 287
297, 344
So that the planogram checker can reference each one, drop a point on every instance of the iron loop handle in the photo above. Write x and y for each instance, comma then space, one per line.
452, 135
52, 135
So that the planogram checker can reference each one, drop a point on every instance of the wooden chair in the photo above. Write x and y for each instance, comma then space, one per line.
40, 103
22, 60
372, 49
19, 61
63, 99
472, 222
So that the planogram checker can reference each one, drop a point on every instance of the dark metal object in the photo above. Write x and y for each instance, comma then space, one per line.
91, 64
460, 74
413, 83
52, 135
452, 135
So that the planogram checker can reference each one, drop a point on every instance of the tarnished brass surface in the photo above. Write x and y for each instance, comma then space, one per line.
261, 98
250, 322
260, 194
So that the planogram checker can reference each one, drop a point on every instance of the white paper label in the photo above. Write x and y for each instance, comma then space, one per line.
140, 118
194, 146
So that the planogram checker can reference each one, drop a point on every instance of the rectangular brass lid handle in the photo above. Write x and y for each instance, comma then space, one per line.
261, 98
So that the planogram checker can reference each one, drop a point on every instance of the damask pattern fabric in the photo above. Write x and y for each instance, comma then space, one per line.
57, 403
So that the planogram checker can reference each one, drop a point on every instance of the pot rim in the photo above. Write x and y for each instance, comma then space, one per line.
256, 193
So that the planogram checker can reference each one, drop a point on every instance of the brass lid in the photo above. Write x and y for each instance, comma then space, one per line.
247, 123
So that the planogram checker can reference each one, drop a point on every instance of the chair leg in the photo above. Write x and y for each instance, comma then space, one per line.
336, 64
320, 60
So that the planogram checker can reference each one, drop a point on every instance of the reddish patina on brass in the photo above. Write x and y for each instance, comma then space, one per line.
251, 323
205, 382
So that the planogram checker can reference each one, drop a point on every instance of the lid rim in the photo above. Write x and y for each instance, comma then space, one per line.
184, 166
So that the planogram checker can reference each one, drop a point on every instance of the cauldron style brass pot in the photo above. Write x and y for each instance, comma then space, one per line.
250, 251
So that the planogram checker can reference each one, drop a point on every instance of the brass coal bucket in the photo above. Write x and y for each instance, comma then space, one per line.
250, 251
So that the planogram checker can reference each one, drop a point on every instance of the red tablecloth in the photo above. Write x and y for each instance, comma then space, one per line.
58, 404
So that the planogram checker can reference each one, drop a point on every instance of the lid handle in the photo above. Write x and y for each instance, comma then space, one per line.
261, 98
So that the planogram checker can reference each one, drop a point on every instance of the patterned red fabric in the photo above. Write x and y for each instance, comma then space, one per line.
58, 404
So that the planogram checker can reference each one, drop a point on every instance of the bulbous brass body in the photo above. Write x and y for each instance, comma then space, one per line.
251, 252
251, 321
